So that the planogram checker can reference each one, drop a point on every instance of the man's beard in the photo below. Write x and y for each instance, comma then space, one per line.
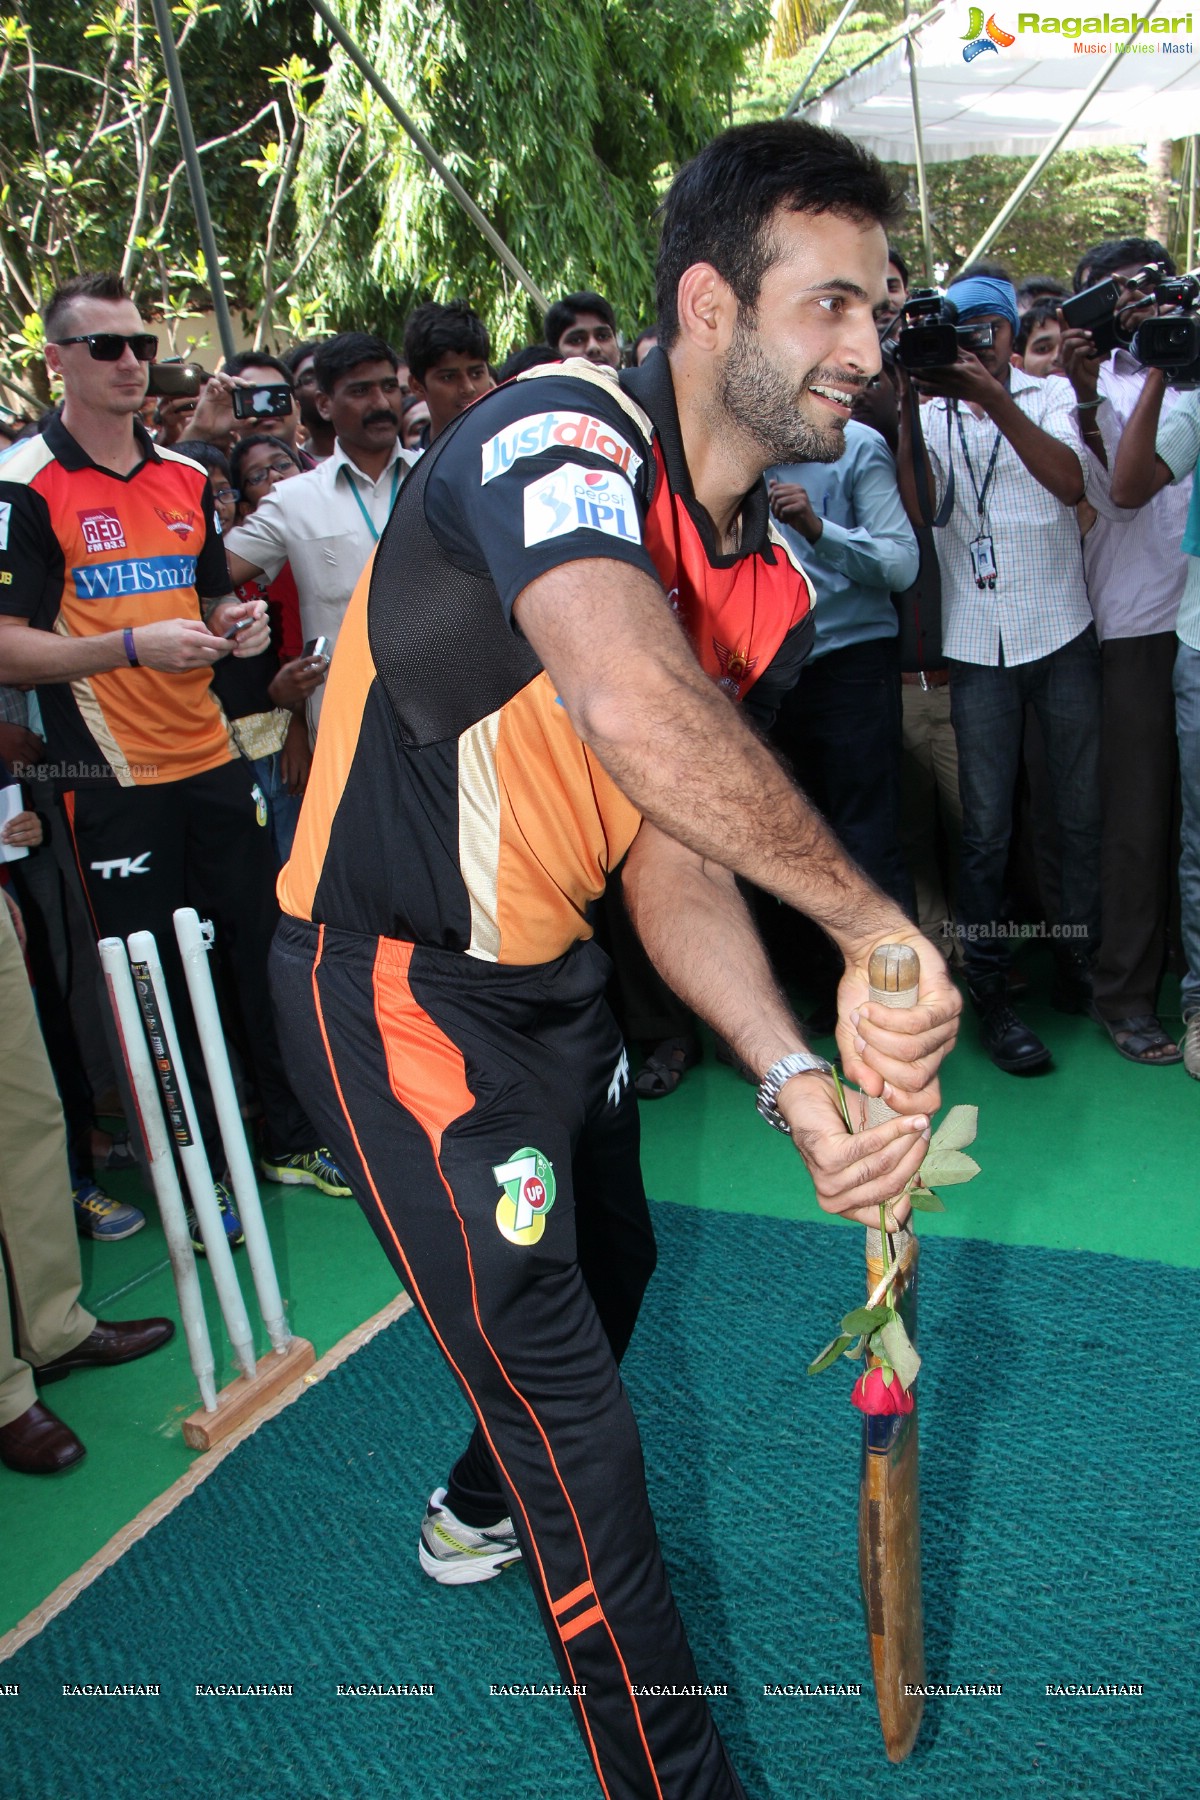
757, 395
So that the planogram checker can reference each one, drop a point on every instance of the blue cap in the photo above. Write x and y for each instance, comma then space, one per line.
984, 294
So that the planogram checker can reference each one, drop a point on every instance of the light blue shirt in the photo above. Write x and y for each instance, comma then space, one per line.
867, 549
1178, 444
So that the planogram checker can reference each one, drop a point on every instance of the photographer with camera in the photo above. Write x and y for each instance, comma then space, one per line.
1135, 578
1154, 453
1008, 471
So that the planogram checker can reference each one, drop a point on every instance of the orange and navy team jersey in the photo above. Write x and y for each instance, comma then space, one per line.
84, 551
451, 803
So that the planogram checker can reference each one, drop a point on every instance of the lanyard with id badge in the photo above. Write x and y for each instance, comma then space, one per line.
983, 552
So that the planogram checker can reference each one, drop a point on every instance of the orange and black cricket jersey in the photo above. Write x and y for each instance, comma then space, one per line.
84, 551
451, 803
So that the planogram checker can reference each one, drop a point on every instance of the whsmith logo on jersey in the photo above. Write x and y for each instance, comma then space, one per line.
573, 498
148, 575
549, 430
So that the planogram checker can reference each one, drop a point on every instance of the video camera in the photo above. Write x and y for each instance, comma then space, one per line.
1094, 308
1172, 343
929, 336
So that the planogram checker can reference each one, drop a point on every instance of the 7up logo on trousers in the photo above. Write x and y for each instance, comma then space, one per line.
526, 1184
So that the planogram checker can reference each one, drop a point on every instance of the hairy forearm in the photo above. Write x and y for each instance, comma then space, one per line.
27, 655
699, 935
1054, 464
682, 753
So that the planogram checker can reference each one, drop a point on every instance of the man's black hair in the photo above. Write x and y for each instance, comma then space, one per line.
648, 331
992, 271
338, 355
211, 457
894, 256
434, 330
529, 356
563, 314
299, 352
105, 285
1123, 253
238, 454
1041, 287
1043, 312
258, 359
720, 206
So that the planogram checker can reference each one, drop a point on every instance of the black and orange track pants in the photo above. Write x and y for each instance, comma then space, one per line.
483, 1116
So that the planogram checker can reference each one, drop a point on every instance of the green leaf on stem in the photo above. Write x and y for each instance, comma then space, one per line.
956, 1130
867, 1319
898, 1349
855, 1350
943, 1168
830, 1354
922, 1199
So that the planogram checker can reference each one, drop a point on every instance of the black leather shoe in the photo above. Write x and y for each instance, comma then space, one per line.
1072, 990
39, 1444
107, 1344
1011, 1045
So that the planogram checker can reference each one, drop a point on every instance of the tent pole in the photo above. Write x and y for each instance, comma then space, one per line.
918, 138
830, 38
910, 26
367, 71
195, 177
1023, 186
1189, 251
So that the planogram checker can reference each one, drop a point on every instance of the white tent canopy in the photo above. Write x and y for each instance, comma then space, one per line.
1012, 99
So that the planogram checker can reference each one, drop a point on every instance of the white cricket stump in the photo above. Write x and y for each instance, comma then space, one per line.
258, 1384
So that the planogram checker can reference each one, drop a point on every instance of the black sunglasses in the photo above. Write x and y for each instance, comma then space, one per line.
109, 346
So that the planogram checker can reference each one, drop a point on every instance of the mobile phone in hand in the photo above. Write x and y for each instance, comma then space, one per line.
318, 646
273, 400
236, 630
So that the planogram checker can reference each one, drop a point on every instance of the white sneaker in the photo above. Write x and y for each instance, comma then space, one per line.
1191, 1046
453, 1553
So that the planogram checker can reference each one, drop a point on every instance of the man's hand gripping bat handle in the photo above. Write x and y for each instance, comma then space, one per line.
894, 973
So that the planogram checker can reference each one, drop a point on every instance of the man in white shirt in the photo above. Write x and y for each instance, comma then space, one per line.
1017, 630
1153, 453
327, 523
1135, 575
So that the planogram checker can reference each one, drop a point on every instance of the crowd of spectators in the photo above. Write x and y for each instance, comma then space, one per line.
1000, 715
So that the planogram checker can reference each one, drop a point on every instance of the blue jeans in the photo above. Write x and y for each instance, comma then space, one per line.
987, 707
283, 809
1187, 728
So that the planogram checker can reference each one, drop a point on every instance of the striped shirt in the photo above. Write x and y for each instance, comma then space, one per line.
1135, 570
1039, 602
1178, 443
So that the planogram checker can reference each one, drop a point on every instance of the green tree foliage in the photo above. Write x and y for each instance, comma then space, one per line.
91, 174
562, 119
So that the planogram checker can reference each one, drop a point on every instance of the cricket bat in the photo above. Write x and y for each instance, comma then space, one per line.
889, 1519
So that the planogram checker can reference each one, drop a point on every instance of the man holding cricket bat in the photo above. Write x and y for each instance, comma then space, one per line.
534, 680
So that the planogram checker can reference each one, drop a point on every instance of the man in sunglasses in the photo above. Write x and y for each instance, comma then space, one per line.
115, 600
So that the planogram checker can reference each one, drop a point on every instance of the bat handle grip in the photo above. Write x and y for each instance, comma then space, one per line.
894, 974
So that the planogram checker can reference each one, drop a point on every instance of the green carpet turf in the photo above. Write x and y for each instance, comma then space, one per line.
1095, 1154
1057, 1521
332, 1275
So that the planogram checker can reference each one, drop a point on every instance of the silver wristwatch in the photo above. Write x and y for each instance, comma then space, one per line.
800, 1062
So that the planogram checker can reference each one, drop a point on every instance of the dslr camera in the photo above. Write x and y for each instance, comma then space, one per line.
929, 336
1172, 342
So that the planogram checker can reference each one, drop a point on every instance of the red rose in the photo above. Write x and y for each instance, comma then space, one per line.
872, 1394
